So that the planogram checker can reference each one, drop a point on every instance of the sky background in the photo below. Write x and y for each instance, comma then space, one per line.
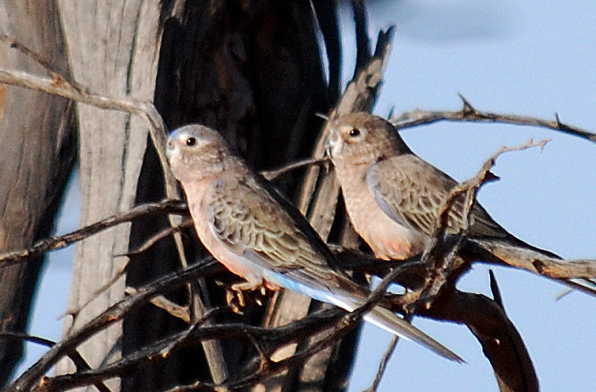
524, 57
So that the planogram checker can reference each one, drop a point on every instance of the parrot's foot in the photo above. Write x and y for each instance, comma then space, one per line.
240, 294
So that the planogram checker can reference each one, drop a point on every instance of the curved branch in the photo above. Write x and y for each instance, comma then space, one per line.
500, 340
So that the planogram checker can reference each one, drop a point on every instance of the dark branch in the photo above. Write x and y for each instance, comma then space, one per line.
59, 242
500, 340
111, 315
77, 359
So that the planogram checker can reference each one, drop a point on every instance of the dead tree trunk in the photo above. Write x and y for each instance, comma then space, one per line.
112, 49
37, 153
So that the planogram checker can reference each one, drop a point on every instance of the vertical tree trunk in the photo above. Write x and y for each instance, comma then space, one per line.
37, 153
112, 49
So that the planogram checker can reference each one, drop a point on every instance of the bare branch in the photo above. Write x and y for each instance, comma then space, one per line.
442, 254
468, 113
59, 242
472, 186
566, 269
494, 288
154, 239
166, 206
25, 337
388, 353
161, 302
274, 337
175, 310
501, 342
61, 86
50, 69
284, 335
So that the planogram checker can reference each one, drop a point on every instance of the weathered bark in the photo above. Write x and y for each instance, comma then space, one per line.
37, 153
112, 49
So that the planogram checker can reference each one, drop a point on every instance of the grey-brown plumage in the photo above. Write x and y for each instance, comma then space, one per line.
256, 234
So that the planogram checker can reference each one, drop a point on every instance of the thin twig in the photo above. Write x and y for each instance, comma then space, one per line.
158, 237
50, 69
26, 337
62, 86
494, 288
122, 270
296, 331
440, 259
383, 364
278, 337
166, 206
161, 302
273, 174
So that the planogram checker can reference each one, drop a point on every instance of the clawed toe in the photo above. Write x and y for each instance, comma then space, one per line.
240, 294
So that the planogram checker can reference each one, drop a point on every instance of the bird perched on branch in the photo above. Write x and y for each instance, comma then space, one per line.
393, 196
258, 235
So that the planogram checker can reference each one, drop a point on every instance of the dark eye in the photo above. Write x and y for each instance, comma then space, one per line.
191, 141
354, 132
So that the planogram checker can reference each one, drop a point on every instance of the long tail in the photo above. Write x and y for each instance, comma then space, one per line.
583, 284
390, 322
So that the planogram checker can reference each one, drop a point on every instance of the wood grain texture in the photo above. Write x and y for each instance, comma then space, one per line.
113, 50
37, 154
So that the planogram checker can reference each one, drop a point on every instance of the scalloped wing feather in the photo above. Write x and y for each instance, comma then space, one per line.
411, 191
250, 223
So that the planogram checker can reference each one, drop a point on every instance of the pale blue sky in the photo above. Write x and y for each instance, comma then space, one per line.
524, 57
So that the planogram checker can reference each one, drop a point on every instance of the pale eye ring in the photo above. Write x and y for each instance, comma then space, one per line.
354, 132
191, 141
